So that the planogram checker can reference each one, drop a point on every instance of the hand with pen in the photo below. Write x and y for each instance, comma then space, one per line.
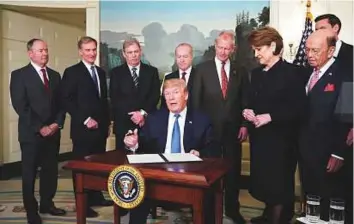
131, 140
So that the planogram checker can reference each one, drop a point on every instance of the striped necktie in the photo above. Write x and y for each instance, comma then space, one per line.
135, 77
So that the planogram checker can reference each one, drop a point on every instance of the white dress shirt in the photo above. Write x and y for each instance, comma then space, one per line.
88, 66
38, 69
218, 64
338, 46
171, 122
188, 73
137, 69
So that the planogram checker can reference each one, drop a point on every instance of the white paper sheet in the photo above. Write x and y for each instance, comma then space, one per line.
145, 158
181, 157
304, 220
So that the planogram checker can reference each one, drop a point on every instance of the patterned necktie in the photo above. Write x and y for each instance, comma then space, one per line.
184, 76
94, 77
176, 137
135, 77
224, 81
45, 79
314, 79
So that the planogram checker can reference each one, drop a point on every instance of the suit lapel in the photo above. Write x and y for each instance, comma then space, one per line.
327, 78
88, 77
214, 78
102, 82
190, 81
163, 129
128, 76
188, 131
52, 83
233, 83
37, 81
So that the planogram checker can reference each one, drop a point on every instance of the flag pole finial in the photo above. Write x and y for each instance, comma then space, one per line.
308, 11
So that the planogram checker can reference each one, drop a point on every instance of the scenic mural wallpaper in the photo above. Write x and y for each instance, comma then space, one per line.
161, 25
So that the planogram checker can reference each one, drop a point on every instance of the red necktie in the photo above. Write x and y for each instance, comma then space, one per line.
224, 80
314, 79
45, 79
184, 76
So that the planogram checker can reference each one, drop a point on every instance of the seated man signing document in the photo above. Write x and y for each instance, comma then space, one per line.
176, 130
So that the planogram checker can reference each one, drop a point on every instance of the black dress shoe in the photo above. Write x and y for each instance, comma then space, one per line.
90, 213
53, 211
103, 202
259, 219
238, 219
35, 220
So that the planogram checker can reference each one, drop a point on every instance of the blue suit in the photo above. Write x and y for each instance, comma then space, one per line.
197, 133
152, 139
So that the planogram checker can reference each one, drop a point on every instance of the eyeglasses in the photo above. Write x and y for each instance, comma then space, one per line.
314, 51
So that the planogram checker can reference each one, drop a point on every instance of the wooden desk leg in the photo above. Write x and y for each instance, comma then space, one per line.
198, 208
116, 214
80, 199
218, 206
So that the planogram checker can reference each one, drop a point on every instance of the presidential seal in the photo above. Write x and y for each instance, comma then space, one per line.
126, 186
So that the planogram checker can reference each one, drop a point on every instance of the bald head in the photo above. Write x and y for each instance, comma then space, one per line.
326, 36
320, 47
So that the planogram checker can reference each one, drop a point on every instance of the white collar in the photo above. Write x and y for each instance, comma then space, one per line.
217, 61
37, 67
88, 65
187, 71
181, 114
137, 67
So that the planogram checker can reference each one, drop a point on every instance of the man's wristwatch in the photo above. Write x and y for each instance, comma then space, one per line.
143, 113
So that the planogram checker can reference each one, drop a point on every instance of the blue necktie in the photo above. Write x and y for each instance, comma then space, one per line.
94, 78
176, 137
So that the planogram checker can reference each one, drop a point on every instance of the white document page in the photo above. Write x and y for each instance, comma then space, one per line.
304, 220
181, 157
145, 158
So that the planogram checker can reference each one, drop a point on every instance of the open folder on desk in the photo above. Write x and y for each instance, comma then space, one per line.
162, 158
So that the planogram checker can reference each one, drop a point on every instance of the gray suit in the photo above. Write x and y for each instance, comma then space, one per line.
37, 107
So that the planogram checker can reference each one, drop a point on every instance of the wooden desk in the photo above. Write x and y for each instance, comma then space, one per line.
185, 183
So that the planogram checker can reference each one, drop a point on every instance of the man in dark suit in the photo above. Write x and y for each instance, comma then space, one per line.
343, 52
184, 59
34, 91
84, 97
134, 91
188, 131
320, 159
217, 92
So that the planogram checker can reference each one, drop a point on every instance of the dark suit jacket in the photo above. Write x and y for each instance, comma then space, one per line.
175, 75
207, 97
317, 140
345, 54
197, 133
81, 100
125, 97
34, 105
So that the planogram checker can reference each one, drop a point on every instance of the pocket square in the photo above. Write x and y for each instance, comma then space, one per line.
329, 87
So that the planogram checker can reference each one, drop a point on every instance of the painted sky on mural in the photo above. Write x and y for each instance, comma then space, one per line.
161, 25
206, 15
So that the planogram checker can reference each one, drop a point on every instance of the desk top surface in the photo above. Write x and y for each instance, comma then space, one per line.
195, 173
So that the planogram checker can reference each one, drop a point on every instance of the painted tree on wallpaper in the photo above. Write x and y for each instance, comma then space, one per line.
161, 26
